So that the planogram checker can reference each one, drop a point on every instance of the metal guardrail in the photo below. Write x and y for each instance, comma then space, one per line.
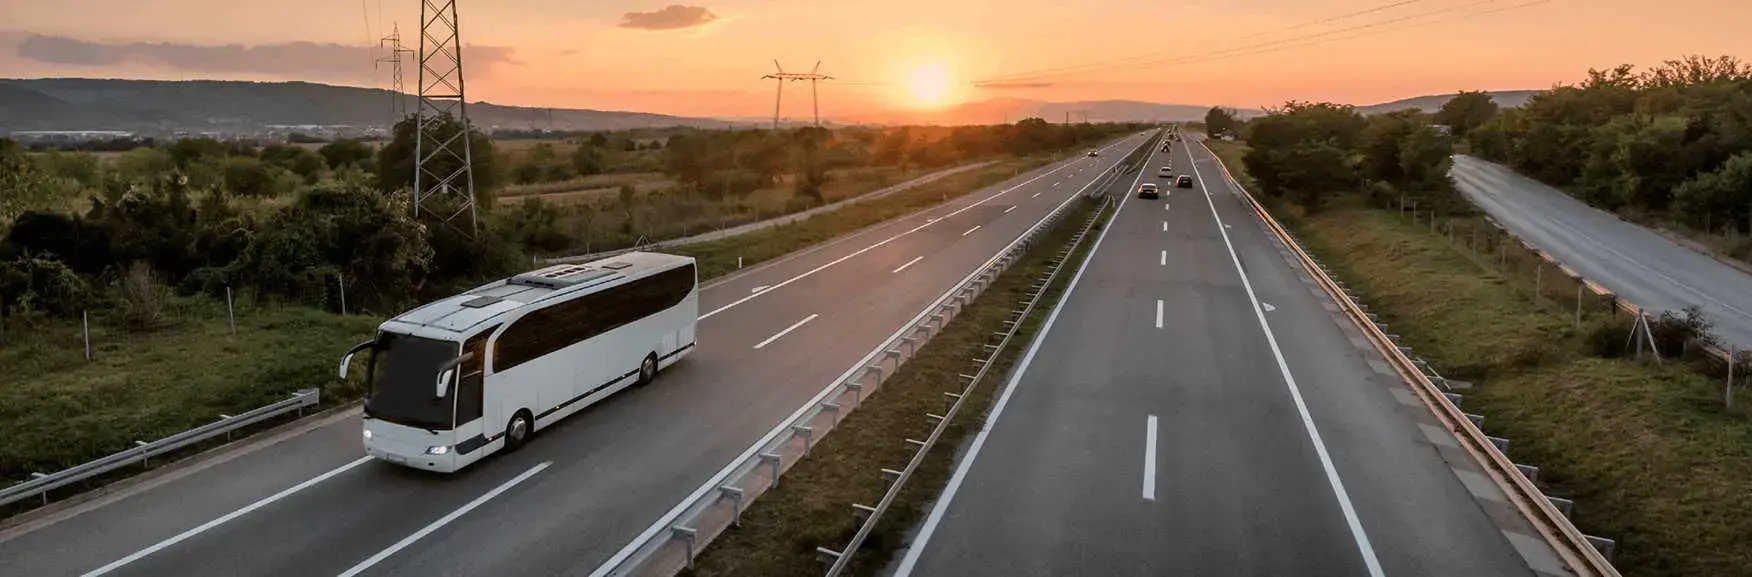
873, 515
42, 483
1576, 549
685, 530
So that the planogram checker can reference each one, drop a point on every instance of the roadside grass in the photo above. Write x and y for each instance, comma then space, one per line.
812, 507
721, 256
58, 410
1648, 452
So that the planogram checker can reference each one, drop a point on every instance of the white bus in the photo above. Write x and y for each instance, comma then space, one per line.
461, 378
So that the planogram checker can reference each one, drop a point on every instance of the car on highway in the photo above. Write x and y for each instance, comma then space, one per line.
465, 376
1094, 153
1185, 181
1165, 172
1149, 190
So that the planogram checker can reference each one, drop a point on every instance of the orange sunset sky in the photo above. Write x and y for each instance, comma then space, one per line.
706, 57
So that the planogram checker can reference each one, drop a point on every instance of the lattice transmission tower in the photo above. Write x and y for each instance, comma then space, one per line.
398, 103
781, 76
444, 174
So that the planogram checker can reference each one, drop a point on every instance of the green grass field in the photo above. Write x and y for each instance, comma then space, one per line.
1648, 452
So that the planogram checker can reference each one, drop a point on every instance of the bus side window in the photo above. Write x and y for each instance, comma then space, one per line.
471, 399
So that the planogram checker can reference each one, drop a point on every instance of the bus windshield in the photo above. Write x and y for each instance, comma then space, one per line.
403, 381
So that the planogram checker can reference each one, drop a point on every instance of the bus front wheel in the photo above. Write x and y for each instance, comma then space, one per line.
518, 430
648, 369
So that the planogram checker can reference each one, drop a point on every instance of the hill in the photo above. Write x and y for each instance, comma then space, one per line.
1012, 109
1432, 103
151, 106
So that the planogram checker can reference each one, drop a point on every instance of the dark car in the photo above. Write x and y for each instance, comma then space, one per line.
1148, 190
1185, 181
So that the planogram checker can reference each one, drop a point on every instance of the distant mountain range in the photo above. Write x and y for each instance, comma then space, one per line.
162, 107
999, 110
150, 106
1432, 103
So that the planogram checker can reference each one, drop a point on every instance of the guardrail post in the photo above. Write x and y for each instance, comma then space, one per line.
45, 492
1563, 505
225, 417
1538, 278
734, 494
808, 434
145, 458
1601, 544
687, 535
85, 329
775, 460
1528, 471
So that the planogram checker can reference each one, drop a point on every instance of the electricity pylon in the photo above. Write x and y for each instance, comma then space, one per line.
781, 76
444, 175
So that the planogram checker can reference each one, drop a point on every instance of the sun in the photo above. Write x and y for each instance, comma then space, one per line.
929, 85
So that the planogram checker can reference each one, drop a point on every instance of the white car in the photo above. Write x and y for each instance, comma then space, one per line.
1165, 172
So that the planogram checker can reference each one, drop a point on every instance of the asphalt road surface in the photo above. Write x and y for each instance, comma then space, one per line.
1640, 266
312, 504
1158, 427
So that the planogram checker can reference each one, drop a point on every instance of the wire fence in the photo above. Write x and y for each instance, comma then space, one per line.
1587, 305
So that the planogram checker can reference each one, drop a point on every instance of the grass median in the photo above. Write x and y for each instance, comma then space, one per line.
1648, 452
812, 507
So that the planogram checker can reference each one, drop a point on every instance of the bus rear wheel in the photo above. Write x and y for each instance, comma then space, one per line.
648, 369
518, 430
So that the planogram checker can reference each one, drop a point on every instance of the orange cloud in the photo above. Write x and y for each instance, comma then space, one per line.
671, 17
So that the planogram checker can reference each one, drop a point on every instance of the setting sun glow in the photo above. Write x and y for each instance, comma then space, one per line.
929, 85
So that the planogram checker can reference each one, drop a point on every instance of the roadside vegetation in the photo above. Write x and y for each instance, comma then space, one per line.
1648, 451
812, 507
1670, 146
148, 245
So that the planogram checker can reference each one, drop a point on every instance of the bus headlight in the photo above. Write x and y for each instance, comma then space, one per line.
441, 450
367, 434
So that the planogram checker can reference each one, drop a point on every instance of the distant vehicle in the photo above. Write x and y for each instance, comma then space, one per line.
1148, 190
1165, 171
466, 376
1094, 153
1185, 181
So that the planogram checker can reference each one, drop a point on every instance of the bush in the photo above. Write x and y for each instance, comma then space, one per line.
1609, 338
1675, 332
31, 284
141, 298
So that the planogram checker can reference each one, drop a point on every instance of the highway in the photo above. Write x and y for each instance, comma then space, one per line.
1647, 269
1196, 406
309, 503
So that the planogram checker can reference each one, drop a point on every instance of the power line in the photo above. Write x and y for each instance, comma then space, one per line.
1344, 16
1199, 57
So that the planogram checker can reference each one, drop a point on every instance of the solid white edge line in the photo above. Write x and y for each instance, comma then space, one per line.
445, 520
1364, 548
914, 261
812, 271
1158, 313
787, 331
718, 478
970, 231
917, 547
185, 535
1150, 459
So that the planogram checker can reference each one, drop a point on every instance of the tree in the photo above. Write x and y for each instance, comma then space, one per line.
588, 159
396, 160
339, 228
1466, 111
345, 153
1724, 194
1220, 122
599, 140
250, 177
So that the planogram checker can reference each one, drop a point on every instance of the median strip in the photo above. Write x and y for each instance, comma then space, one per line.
780, 533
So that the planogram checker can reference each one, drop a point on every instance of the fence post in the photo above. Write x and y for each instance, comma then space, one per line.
230, 311
1579, 286
1538, 277
1728, 395
341, 281
85, 328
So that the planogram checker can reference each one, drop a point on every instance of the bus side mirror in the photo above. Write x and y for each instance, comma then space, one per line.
347, 359
446, 372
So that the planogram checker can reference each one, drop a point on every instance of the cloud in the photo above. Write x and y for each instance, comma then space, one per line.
671, 17
293, 59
